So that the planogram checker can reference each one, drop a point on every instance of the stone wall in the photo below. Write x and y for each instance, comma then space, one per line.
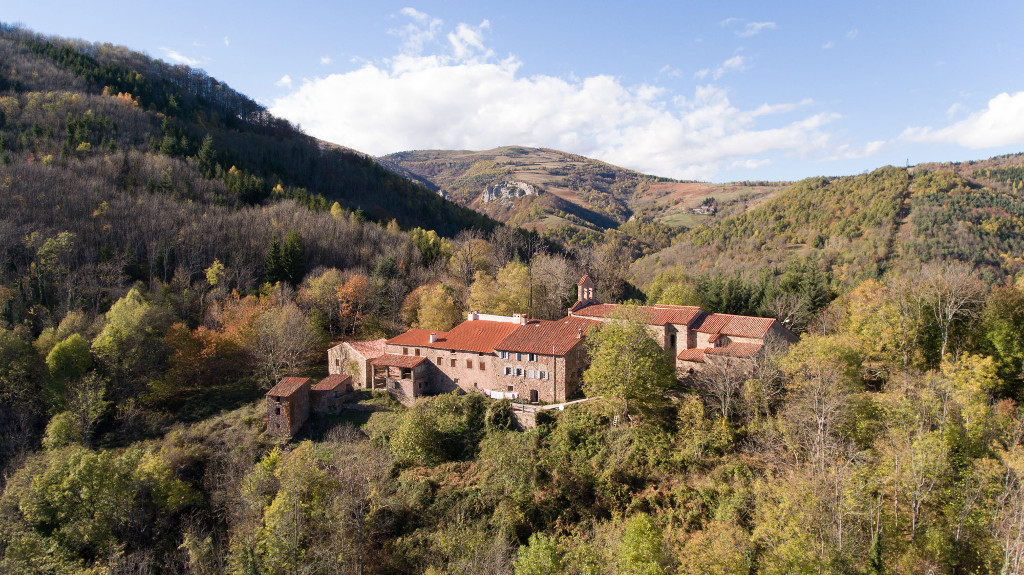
343, 359
286, 415
563, 375
451, 370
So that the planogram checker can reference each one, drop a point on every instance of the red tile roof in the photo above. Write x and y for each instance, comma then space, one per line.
288, 386
583, 280
692, 355
391, 360
736, 325
369, 349
478, 336
547, 337
333, 382
655, 314
736, 349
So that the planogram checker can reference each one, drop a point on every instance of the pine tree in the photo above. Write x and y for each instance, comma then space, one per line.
293, 259
274, 271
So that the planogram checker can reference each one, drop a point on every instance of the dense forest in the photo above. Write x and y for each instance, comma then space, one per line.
168, 251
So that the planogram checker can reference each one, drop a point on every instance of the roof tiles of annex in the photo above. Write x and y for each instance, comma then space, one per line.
736, 325
655, 314
736, 349
368, 349
547, 337
288, 386
333, 382
691, 355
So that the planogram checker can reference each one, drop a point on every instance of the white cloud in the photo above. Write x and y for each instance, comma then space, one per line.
852, 34
418, 33
701, 74
285, 81
751, 164
847, 152
468, 43
749, 29
226, 42
325, 60
827, 45
670, 72
1000, 124
415, 14
735, 64
754, 28
465, 98
179, 58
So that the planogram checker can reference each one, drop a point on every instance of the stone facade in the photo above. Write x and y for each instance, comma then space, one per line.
288, 406
537, 377
353, 358
327, 395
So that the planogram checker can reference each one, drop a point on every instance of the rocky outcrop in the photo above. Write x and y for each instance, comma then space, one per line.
507, 191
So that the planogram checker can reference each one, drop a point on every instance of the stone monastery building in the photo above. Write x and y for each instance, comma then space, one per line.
539, 360
513, 357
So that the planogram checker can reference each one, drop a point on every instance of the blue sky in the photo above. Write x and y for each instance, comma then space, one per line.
716, 91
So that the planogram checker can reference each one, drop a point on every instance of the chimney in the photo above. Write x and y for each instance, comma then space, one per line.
473, 316
579, 333
433, 338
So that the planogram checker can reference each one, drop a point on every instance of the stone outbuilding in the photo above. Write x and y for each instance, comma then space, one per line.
327, 395
288, 406
353, 358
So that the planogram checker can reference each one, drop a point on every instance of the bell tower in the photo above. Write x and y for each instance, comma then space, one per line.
585, 289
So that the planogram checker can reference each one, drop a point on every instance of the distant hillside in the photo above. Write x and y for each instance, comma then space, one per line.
544, 190
859, 226
74, 100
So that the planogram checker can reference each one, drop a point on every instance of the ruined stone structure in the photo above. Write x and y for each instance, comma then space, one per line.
287, 406
327, 395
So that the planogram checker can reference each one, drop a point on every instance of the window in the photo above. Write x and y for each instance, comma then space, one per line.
482, 366
397, 386
672, 341
542, 375
337, 362
508, 370
469, 364
531, 374
519, 372
519, 356
405, 351
533, 357
438, 360
503, 354
277, 411
510, 388
417, 350
453, 362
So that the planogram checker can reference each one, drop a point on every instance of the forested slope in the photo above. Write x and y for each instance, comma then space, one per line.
155, 282
73, 100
